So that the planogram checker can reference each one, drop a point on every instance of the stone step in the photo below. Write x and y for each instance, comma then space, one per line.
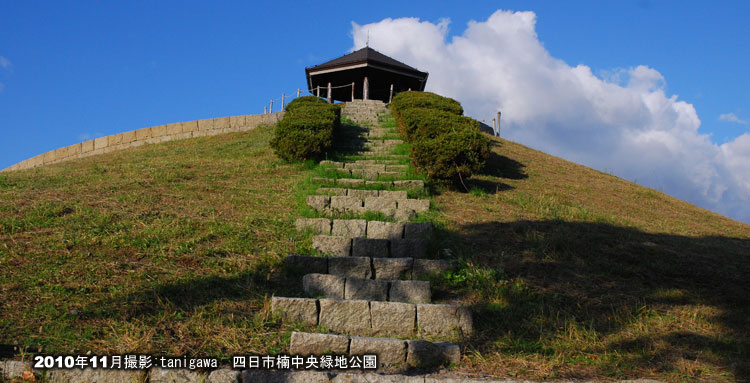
370, 267
362, 193
364, 174
392, 290
363, 317
416, 185
344, 246
359, 203
392, 355
375, 167
352, 228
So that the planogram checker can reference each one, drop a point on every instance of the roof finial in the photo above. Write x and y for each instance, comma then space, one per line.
367, 44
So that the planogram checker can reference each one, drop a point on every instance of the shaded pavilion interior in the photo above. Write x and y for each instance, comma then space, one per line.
365, 74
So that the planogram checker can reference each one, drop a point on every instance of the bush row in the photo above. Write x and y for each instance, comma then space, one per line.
306, 131
445, 144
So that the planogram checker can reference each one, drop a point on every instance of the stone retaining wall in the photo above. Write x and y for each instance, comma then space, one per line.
152, 135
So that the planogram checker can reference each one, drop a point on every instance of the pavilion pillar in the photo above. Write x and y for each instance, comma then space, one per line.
390, 97
352, 91
330, 101
366, 90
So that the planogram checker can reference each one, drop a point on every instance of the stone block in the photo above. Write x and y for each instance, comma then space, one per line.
418, 205
391, 352
307, 264
410, 292
396, 168
421, 353
408, 247
362, 193
282, 376
393, 194
88, 146
236, 122
173, 129
303, 343
334, 164
315, 225
349, 227
10, 369
393, 268
158, 131
387, 175
387, 230
426, 267
369, 247
221, 123
345, 316
366, 289
409, 184
350, 181
355, 267
418, 230
223, 375
318, 202
380, 204
384, 378
296, 309
346, 203
101, 142
393, 318
444, 320
189, 126
324, 180
403, 215
89, 375
331, 191
172, 375
142, 134
324, 285
207, 124
334, 246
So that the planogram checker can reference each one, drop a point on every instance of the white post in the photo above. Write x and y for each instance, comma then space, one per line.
494, 126
265, 110
390, 98
283, 103
298, 91
497, 133
270, 107
317, 91
366, 90
330, 100
352, 91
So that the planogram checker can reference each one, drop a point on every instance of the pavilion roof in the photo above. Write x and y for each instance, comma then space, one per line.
364, 55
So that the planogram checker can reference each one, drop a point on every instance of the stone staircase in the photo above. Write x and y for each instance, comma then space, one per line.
368, 290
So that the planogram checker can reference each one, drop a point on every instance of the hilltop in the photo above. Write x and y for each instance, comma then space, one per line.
175, 248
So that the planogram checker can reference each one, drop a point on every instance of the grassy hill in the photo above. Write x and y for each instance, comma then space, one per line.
174, 249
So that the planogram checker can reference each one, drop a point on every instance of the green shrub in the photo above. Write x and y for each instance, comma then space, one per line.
445, 145
305, 101
424, 123
409, 100
451, 156
306, 131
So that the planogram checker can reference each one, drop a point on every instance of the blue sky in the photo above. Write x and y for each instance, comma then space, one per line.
80, 70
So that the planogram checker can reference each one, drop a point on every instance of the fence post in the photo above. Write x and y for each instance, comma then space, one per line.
390, 97
265, 110
497, 133
298, 90
330, 101
317, 91
283, 103
270, 108
352, 91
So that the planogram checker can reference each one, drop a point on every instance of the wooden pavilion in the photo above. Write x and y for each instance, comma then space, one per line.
365, 74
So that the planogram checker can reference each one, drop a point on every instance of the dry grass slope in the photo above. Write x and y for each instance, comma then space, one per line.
174, 248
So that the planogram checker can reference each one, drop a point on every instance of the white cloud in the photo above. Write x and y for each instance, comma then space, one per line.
4, 63
622, 121
731, 117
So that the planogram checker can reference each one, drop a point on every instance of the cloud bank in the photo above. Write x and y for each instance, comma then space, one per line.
622, 122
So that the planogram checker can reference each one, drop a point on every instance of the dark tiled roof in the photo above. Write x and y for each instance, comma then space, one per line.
365, 54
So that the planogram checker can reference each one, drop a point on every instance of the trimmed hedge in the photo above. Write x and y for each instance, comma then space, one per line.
306, 131
445, 145
305, 101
